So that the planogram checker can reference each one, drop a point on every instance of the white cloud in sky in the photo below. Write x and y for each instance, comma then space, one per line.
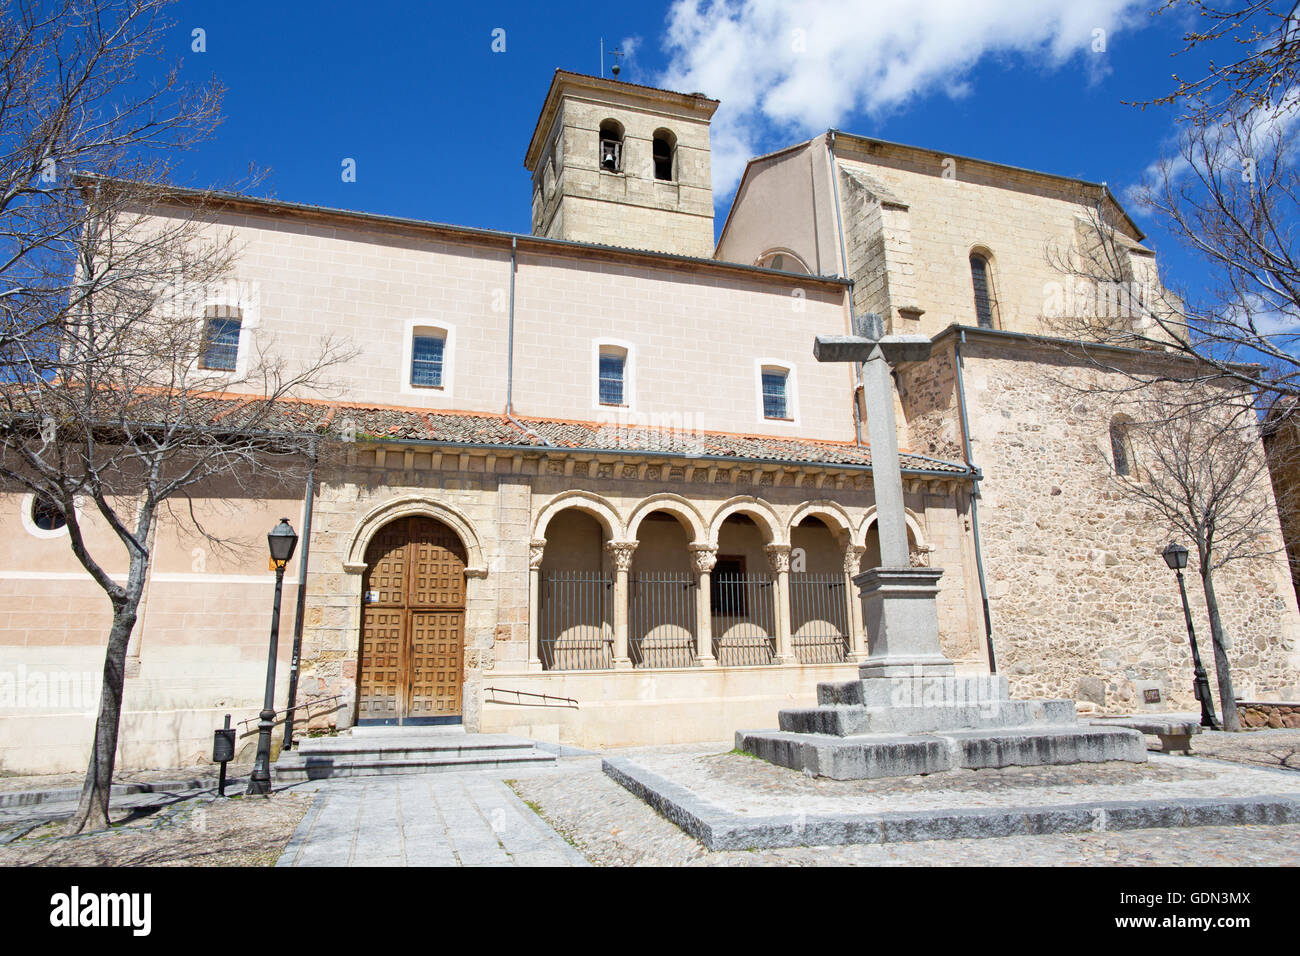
798, 68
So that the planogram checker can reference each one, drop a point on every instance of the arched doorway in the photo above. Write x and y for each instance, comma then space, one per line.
410, 668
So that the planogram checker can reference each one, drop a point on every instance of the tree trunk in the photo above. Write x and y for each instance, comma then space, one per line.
1227, 699
92, 810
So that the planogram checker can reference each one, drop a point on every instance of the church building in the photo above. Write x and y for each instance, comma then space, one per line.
590, 486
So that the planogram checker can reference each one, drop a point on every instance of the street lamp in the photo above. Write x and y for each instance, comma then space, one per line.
282, 540
1175, 556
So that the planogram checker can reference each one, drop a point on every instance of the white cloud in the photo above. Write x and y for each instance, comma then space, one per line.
799, 68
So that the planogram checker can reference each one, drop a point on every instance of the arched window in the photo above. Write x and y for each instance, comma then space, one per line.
428, 347
219, 349
46, 514
611, 146
663, 150
981, 277
614, 374
775, 396
1121, 448
782, 260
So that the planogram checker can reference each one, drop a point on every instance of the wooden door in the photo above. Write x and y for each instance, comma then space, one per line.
411, 662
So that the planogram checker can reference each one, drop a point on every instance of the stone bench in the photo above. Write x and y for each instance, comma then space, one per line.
1174, 734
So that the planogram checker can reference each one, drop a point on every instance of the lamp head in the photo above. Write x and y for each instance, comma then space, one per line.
282, 540
1175, 556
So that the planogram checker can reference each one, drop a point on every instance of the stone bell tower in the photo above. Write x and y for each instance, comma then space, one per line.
623, 165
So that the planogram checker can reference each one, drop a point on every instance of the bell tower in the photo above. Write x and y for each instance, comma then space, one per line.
623, 165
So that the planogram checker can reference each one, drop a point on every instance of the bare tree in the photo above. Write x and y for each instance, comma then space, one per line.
1261, 39
111, 408
1230, 198
1201, 469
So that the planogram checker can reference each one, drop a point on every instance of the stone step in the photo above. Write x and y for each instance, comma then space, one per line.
431, 744
324, 766
847, 720
406, 730
409, 752
902, 755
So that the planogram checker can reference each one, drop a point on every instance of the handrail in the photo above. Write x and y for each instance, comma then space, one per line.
274, 720
526, 693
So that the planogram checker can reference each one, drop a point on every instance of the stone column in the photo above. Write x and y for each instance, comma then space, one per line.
778, 556
857, 640
621, 553
703, 558
536, 548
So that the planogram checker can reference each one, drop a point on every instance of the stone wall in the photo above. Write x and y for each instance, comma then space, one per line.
1082, 604
1269, 713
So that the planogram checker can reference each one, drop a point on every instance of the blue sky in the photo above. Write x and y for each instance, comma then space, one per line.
438, 123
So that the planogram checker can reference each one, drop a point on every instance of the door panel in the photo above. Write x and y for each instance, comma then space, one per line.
436, 655
380, 681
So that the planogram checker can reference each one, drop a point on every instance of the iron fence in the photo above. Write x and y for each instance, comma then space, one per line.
819, 618
576, 621
743, 618
661, 619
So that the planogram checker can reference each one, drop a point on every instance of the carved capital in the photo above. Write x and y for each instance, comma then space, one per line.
919, 558
621, 552
853, 558
778, 557
703, 557
536, 548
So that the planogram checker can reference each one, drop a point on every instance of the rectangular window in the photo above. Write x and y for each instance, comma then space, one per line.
220, 344
774, 404
426, 361
611, 378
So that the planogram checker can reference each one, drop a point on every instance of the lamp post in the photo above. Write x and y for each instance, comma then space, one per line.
282, 540
1175, 556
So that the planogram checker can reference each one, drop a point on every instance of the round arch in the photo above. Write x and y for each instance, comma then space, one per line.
913, 525
762, 514
769, 257
409, 506
831, 513
592, 504
676, 505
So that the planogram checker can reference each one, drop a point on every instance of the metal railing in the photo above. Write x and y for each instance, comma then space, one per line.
519, 694
819, 618
743, 619
575, 619
661, 619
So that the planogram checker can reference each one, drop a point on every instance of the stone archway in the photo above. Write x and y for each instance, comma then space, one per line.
376, 523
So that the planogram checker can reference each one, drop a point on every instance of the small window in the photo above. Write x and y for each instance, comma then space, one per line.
426, 360
613, 365
46, 514
774, 393
611, 146
662, 150
1121, 449
985, 305
220, 346
727, 587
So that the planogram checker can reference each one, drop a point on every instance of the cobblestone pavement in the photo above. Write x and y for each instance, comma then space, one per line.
439, 819
613, 828
1266, 748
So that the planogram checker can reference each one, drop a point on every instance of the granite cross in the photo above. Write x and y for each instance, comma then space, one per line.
878, 353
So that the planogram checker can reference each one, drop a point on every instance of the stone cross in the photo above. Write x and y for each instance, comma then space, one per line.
878, 353
899, 610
